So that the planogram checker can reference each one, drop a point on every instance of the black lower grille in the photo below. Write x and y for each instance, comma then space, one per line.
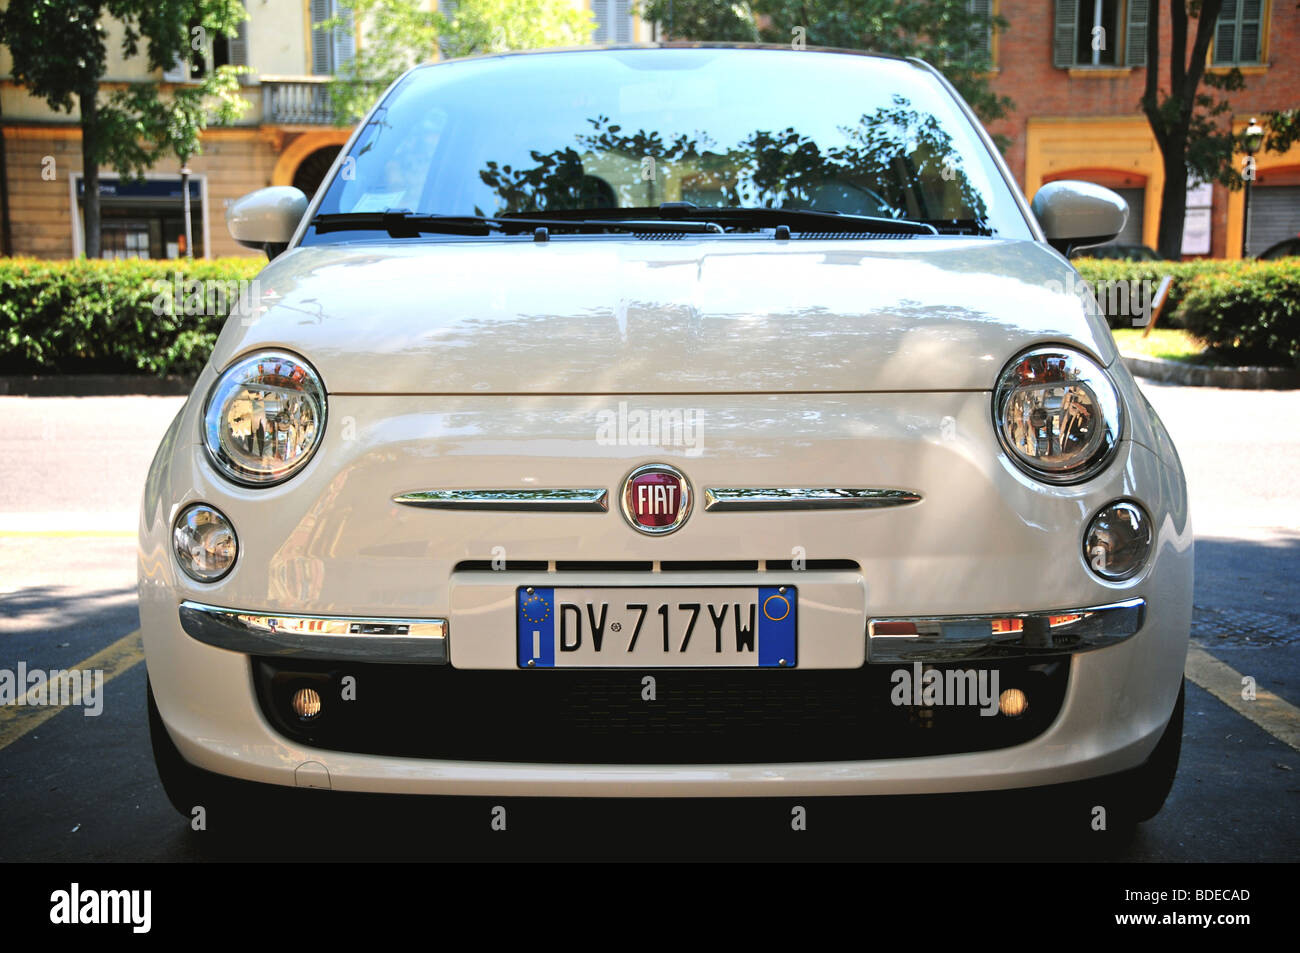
602, 717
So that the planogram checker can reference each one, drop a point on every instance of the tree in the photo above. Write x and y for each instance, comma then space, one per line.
1188, 122
401, 33
951, 34
713, 20
1185, 120
59, 51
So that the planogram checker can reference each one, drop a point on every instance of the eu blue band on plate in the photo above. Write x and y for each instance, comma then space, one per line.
536, 612
776, 625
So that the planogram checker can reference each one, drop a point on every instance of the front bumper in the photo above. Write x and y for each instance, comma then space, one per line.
985, 542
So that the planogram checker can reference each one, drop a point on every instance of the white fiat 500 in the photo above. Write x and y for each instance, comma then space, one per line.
668, 421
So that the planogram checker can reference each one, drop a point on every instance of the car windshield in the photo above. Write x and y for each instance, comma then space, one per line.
574, 132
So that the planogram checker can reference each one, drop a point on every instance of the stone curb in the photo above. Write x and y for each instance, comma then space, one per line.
93, 385
1197, 375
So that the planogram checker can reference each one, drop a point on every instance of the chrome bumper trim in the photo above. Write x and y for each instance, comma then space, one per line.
543, 500
741, 498
959, 638
415, 641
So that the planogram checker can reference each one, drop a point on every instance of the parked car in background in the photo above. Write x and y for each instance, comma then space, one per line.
648, 422
1286, 248
1120, 252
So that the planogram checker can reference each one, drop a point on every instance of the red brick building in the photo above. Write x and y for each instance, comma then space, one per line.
1076, 71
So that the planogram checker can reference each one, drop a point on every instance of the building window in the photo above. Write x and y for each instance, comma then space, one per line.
1238, 35
127, 239
142, 219
1096, 32
220, 51
1100, 33
331, 50
614, 21
982, 45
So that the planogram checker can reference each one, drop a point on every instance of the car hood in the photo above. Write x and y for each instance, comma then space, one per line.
621, 316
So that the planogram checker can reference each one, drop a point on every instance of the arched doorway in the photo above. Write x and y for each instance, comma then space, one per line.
311, 170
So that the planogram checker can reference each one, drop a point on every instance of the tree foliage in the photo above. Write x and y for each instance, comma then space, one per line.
399, 34
59, 50
767, 168
945, 33
1191, 124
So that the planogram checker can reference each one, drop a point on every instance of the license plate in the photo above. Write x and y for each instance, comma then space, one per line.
619, 627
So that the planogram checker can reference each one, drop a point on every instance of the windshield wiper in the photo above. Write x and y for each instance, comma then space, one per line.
960, 226
405, 224
818, 219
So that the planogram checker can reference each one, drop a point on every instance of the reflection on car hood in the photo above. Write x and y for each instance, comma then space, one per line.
682, 316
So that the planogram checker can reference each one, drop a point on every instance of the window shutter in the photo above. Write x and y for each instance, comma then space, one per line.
1225, 33
1067, 16
982, 41
344, 44
239, 45
1250, 31
1135, 36
320, 39
600, 11
622, 20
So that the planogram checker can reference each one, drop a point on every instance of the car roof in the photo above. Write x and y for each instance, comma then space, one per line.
674, 45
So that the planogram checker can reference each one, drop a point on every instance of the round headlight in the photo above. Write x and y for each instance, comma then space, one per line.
1118, 541
264, 417
204, 542
1057, 414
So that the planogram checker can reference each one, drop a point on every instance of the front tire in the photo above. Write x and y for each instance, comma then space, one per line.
187, 788
1139, 795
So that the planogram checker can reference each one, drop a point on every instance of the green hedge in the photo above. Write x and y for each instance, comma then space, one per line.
1249, 314
162, 317
84, 316
1098, 271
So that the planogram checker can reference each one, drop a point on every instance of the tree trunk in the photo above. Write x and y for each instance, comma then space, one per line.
1173, 200
90, 168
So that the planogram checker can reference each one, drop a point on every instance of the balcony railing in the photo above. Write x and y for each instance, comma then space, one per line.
300, 101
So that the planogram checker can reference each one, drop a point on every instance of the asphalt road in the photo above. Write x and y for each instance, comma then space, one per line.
74, 787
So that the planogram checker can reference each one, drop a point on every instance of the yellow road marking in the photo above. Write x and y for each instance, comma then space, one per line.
1277, 716
18, 720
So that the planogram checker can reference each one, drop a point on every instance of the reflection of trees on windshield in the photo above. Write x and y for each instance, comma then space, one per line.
560, 180
895, 162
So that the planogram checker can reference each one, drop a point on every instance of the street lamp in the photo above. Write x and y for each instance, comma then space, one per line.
185, 197
1251, 140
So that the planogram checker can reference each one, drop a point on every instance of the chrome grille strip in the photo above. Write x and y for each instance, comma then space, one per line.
960, 638
516, 501
742, 498
414, 641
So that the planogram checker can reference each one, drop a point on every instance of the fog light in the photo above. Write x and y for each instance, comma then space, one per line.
204, 542
1013, 703
306, 703
1118, 541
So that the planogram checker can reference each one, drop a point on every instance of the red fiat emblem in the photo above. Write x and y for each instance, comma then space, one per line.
656, 499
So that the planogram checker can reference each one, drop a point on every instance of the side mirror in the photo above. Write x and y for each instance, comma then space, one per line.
266, 219
1078, 214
